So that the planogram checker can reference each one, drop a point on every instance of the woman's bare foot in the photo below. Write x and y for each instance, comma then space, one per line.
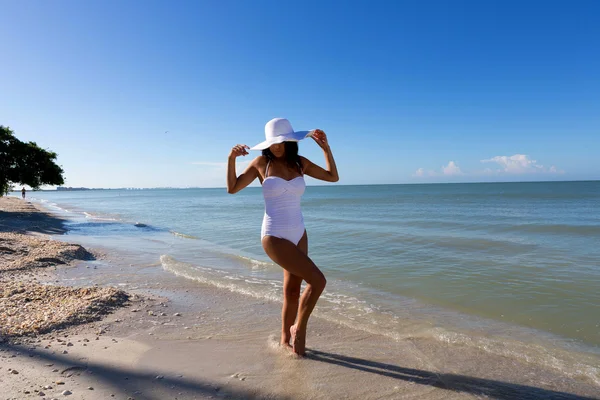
298, 341
286, 346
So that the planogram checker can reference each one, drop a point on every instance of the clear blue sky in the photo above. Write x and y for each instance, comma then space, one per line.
407, 91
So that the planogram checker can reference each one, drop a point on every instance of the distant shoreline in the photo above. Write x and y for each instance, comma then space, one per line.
356, 184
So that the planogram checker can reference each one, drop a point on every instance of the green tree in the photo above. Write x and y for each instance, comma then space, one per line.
26, 163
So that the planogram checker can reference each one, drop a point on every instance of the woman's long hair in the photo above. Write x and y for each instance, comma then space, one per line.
292, 159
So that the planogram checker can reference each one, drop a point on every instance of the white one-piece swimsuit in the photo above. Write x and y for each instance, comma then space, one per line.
283, 216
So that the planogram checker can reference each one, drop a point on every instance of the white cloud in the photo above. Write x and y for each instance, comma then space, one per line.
451, 169
520, 164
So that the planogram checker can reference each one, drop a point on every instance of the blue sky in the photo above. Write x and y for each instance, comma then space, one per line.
407, 91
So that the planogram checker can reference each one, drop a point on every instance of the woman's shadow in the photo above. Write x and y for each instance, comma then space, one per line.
457, 383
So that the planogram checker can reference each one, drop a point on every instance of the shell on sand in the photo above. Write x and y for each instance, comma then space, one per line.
28, 307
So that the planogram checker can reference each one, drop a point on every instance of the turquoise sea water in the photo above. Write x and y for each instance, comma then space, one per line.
508, 258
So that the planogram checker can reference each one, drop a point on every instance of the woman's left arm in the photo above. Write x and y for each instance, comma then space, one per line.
330, 174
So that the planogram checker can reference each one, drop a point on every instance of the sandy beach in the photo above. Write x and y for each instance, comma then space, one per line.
89, 324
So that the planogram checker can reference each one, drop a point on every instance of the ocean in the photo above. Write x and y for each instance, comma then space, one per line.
512, 268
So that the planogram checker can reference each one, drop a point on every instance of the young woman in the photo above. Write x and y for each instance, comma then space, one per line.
281, 172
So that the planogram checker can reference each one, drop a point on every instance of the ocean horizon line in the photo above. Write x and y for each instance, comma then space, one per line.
319, 185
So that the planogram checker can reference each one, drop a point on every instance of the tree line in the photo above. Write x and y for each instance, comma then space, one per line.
25, 163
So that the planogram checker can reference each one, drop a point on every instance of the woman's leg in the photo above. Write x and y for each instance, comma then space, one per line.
291, 297
292, 259
291, 301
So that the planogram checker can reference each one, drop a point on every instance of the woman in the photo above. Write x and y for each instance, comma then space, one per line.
281, 172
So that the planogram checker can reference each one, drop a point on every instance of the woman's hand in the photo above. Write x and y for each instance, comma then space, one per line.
238, 150
321, 138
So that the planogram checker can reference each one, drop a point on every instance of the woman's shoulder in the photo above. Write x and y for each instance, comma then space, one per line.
305, 161
259, 161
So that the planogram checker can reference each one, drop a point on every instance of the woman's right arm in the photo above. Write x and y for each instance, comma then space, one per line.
236, 183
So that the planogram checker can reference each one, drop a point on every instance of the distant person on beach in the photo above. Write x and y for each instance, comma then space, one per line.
281, 172
23, 192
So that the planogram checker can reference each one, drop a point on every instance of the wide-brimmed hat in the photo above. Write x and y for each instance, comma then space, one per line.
279, 130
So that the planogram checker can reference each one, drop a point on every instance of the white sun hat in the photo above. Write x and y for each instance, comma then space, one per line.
279, 130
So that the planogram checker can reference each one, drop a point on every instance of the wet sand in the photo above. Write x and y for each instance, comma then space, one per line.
175, 338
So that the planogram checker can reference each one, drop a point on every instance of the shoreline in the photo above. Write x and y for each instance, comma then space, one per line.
184, 339
29, 307
450, 267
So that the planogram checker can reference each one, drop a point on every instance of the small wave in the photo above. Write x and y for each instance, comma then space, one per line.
555, 229
255, 264
335, 306
183, 235
571, 365
261, 289
98, 217
246, 261
400, 325
487, 245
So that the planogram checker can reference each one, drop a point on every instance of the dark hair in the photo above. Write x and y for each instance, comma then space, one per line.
292, 159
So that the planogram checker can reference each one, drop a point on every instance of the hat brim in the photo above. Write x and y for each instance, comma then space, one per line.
292, 137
